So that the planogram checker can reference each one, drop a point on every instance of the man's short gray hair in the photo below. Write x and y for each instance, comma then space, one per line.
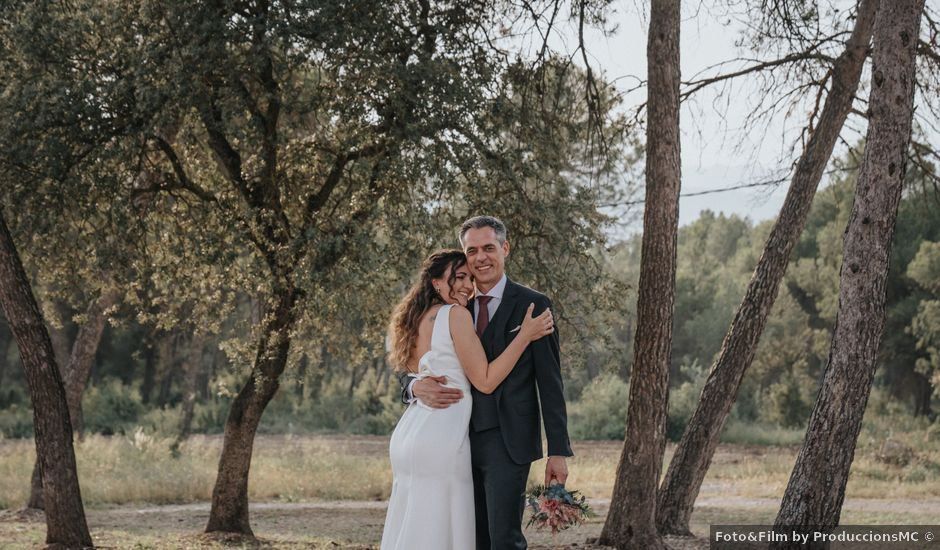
478, 222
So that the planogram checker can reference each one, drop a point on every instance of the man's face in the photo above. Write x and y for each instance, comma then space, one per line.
485, 256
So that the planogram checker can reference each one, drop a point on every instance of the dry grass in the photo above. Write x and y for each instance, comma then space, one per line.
321, 491
141, 469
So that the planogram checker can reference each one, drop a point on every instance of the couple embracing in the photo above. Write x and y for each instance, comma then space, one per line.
481, 360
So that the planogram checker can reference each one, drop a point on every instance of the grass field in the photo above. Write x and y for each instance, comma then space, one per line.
329, 491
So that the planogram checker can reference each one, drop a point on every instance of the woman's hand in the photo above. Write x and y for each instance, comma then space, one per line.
534, 328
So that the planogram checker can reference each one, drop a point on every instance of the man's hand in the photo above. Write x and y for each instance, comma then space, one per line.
556, 468
430, 391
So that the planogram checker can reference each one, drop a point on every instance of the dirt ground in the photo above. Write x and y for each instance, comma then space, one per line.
336, 525
358, 524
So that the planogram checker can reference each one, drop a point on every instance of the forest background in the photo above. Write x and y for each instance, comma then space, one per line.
143, 371
201, 245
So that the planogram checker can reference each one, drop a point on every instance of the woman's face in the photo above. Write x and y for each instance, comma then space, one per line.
462, 289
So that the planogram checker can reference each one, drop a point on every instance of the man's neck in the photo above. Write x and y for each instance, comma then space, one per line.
483, 289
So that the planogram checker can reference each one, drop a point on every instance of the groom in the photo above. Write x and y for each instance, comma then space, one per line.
505, 436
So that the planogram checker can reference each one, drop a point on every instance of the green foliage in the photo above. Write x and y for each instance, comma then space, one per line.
111, 408
760, 433
716, 258
785, 405
207, 159
925, 326
924, 269
164, 421
684, 398
16, 422
601, 412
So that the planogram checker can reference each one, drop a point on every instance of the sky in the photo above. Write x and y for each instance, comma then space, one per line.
715, 152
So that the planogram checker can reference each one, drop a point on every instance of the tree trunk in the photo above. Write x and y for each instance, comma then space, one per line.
150, 370
35, 488
218, 358
355, 378
229, 512
76, 373
193, 366
61, 336
697, 447
923, 392
631, 522
5, 340
320, 372
816, 489
169, 365
383, 374
65, 514
82, 358
301, 376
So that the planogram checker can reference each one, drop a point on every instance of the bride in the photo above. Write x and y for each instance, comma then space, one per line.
431, 505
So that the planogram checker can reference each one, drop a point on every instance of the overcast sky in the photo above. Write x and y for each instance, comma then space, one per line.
715, 152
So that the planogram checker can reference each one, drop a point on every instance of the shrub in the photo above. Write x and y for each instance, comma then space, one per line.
366, 412
757, 433
162, 421
785, 404
16, 422
111, 408
601, 413
684, 399
209, 416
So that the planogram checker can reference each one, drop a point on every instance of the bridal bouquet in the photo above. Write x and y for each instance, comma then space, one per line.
556, 508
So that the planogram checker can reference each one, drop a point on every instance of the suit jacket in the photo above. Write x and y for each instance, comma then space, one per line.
532, 391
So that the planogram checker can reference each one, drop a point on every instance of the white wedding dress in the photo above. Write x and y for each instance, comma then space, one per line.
431, 506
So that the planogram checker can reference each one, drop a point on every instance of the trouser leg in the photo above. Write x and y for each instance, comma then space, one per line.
502, 483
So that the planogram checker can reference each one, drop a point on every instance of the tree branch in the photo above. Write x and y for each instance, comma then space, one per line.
696, 85
182, 180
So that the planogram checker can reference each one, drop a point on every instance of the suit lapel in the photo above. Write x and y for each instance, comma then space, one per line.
496, 329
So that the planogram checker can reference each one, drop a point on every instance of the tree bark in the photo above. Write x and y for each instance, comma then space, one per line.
229, 511
922, 396
82, 358
65, 514
76, 373
697, 447
150, 368
816, 490
61, 336
302, 365
193, 366
631, 522
320, 373
169, 365
35, 488
5, 341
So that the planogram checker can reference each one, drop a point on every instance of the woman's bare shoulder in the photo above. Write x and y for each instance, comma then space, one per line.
459, 313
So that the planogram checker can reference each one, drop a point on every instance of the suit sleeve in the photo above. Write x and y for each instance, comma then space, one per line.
546, 359
405, 380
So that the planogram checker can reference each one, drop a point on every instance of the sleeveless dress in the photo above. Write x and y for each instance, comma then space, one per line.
431, 505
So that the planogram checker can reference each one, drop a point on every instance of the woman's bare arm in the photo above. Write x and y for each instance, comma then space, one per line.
486, 376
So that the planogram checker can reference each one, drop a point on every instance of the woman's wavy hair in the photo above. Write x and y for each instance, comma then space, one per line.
403, 328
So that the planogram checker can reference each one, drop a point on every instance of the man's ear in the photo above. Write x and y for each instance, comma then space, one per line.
506, 248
